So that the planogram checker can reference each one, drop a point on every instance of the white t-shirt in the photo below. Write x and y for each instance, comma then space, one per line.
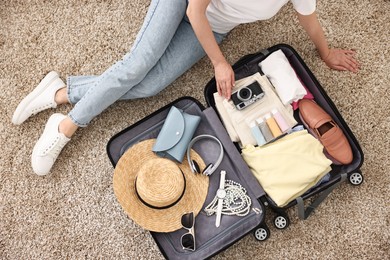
224, 15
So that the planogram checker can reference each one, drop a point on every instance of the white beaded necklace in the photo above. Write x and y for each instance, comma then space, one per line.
236, 201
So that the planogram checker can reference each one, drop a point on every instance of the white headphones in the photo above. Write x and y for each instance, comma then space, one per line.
209, 168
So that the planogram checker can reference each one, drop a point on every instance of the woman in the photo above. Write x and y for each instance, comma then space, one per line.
174, 36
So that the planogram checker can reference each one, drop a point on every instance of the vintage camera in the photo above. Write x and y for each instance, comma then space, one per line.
247, 95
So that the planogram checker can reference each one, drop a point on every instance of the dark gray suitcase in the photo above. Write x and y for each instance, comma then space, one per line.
247, 66
211, 240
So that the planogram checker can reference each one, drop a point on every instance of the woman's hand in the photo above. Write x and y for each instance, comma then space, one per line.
342, 60
224, 76
334, 58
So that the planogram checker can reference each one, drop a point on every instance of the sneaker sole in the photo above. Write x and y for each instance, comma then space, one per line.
42, 86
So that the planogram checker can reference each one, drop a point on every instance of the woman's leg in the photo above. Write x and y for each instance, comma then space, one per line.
160, 25
174, 62
78, 86
182, 53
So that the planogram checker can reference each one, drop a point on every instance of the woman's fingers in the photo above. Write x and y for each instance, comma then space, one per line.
339, 67
350, 63
219, 89
232, 83
225, 88
354, 60
342, 60
350, 52
224, 76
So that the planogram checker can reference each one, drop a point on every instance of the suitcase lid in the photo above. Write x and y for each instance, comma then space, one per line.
210, 240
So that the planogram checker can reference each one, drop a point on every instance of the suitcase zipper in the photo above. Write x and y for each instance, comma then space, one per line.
256, 211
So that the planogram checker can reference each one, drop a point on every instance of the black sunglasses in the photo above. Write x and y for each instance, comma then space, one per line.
188, 239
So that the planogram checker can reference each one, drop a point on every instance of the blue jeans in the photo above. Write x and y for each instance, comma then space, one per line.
165, 47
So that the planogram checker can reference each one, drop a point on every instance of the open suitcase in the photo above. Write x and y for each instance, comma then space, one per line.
248, 65
209, 239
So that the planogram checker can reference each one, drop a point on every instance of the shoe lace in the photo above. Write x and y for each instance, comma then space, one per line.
43, 107
55, 147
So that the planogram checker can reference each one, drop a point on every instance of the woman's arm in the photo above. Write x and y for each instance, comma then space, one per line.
224, 74
334, 58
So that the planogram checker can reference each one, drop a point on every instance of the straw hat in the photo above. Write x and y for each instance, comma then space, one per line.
155, 192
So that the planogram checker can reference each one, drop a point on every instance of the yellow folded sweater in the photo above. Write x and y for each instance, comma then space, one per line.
288, 167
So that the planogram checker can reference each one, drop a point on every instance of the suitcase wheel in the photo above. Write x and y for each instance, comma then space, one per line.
356, 178
281, 222
261, 233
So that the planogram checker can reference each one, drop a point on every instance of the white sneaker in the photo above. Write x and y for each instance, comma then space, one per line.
49, 146
41, 98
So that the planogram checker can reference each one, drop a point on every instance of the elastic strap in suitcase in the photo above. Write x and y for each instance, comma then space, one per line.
305, 213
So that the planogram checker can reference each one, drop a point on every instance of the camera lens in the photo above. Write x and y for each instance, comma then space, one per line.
244, 94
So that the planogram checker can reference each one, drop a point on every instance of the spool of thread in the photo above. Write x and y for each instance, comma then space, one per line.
280, 120
273, 126
265, 130
257, 134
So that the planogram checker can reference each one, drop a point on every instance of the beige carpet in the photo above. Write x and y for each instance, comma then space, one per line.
73, 214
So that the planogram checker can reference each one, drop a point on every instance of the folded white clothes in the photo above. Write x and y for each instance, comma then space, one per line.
237, 122
283, 77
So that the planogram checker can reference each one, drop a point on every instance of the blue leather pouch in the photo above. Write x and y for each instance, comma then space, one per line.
175, 135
